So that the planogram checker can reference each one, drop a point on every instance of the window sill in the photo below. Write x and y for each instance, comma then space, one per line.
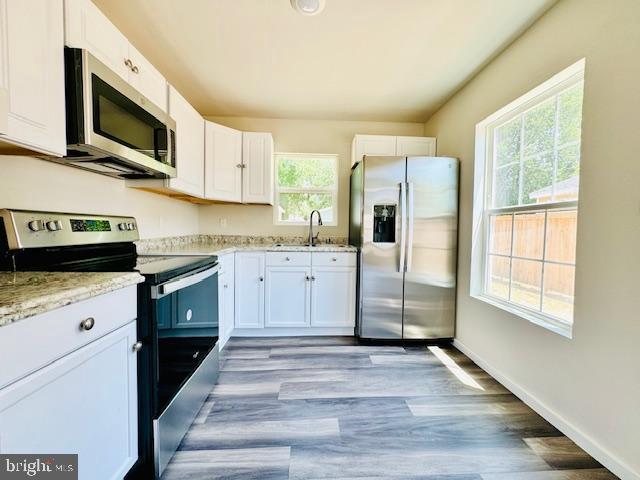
544, 321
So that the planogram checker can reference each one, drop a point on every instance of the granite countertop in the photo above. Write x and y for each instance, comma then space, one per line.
24, 294
208, 248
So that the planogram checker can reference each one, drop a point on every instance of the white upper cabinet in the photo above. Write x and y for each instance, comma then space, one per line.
382, 145
87, 27
189, 146
223, 163
147, 80
32, 103
257, 168
389, 145
408, 146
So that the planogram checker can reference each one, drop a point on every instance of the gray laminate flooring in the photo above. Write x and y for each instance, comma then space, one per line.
328, 408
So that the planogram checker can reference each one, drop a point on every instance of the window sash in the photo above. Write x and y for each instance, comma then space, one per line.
332, 190
483, 186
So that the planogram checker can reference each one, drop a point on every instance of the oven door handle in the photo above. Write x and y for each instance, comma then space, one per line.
170, 287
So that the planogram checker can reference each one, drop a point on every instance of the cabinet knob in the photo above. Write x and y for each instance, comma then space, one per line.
226, 285
261, 278
313, 279
87, 324
241, 165
128, 63
137, 347
287, 259
189, 314
334, 259
307, 278
135, 69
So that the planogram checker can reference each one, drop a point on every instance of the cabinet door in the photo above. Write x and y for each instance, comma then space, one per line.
148, 81
84, 403
223, 163
32, 74
226, 297
408, 146
257, 171
87, 27
249, 290
189, 146
382, 145
333, 298
287, 297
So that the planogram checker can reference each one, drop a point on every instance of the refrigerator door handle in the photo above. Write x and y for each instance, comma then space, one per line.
403, 224
410, 216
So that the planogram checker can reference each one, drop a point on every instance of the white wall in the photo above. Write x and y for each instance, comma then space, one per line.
590, 385
34, 184
298, 136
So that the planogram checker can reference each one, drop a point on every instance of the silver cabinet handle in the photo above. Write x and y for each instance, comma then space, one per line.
334, 259
226, 285
128, 63
135, 69
87, 324
307, 278
241, 165
261, 278
287, 259
137, 347
313, 279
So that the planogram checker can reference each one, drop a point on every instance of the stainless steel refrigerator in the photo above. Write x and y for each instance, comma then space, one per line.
404, 219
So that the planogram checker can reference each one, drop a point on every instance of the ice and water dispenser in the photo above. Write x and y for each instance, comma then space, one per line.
384, 223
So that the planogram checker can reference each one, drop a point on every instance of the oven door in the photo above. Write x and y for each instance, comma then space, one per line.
111, 124
187, 356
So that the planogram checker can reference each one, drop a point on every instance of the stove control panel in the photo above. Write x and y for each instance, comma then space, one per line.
33, 229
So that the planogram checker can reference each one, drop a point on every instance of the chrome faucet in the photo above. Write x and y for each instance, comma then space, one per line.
313, 239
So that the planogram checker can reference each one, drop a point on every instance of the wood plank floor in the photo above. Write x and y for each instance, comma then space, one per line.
328, 408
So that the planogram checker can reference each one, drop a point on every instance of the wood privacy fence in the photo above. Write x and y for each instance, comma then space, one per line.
529, 243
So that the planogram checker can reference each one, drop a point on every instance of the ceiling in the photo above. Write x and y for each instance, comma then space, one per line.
384, 60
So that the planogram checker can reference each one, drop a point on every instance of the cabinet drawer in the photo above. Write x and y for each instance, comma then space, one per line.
292, 259
39, 340
334, 259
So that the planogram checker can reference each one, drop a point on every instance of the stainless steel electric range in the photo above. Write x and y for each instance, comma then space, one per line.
177, 314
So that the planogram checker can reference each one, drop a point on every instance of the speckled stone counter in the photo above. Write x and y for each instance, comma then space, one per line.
205, 248
24, 294
222, 244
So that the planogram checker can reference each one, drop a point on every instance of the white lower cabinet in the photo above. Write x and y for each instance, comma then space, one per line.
302, 293
333, 297
226, 300
249, 289
287, 296
83, 403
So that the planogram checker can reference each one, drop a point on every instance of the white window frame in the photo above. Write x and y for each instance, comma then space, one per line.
482, 197
333, 190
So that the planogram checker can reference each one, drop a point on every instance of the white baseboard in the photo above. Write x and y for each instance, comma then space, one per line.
292, 332
588, 444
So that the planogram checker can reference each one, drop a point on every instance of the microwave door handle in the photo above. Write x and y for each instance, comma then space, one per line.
410, 219
403, 221
173, 286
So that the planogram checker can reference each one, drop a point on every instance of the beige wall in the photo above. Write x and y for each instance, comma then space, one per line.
299, 136
589, 385
34, 184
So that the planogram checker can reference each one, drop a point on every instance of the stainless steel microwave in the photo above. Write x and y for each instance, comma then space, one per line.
112, 128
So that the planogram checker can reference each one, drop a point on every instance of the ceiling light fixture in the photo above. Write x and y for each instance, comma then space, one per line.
308, 7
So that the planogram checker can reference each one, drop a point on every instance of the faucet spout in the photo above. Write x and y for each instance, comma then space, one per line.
313, 239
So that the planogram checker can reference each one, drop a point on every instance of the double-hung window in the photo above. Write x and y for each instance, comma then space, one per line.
526, 202
306, 182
